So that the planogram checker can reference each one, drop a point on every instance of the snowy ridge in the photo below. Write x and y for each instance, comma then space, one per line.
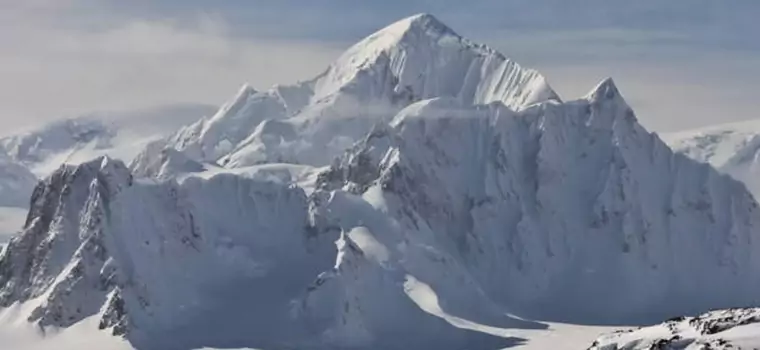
411, 60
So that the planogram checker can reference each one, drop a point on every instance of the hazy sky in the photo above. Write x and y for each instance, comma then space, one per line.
680, 63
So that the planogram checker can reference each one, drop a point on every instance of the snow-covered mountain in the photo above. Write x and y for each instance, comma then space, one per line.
469, 192
732, 148
717, 330
314, 121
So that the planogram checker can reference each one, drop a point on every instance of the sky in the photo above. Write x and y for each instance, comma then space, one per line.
680, 63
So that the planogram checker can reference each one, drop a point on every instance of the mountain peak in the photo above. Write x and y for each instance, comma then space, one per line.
420, 29
605, 90
420, 57
421, 23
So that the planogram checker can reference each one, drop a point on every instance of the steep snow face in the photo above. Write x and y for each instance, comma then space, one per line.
733, 149
312, 122
77, 140
16, 182
725, 329
565, 211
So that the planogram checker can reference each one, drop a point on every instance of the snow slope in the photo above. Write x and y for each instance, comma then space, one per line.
468, 193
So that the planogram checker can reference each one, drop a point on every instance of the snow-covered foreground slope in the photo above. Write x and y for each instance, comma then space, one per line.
469, 193
733, 149
717, 330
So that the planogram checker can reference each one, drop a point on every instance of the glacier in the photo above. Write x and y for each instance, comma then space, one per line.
421, 185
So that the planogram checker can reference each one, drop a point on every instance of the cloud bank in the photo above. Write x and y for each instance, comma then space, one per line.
682, 64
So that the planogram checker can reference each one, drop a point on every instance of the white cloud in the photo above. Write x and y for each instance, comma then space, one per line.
681, 66
49, 70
